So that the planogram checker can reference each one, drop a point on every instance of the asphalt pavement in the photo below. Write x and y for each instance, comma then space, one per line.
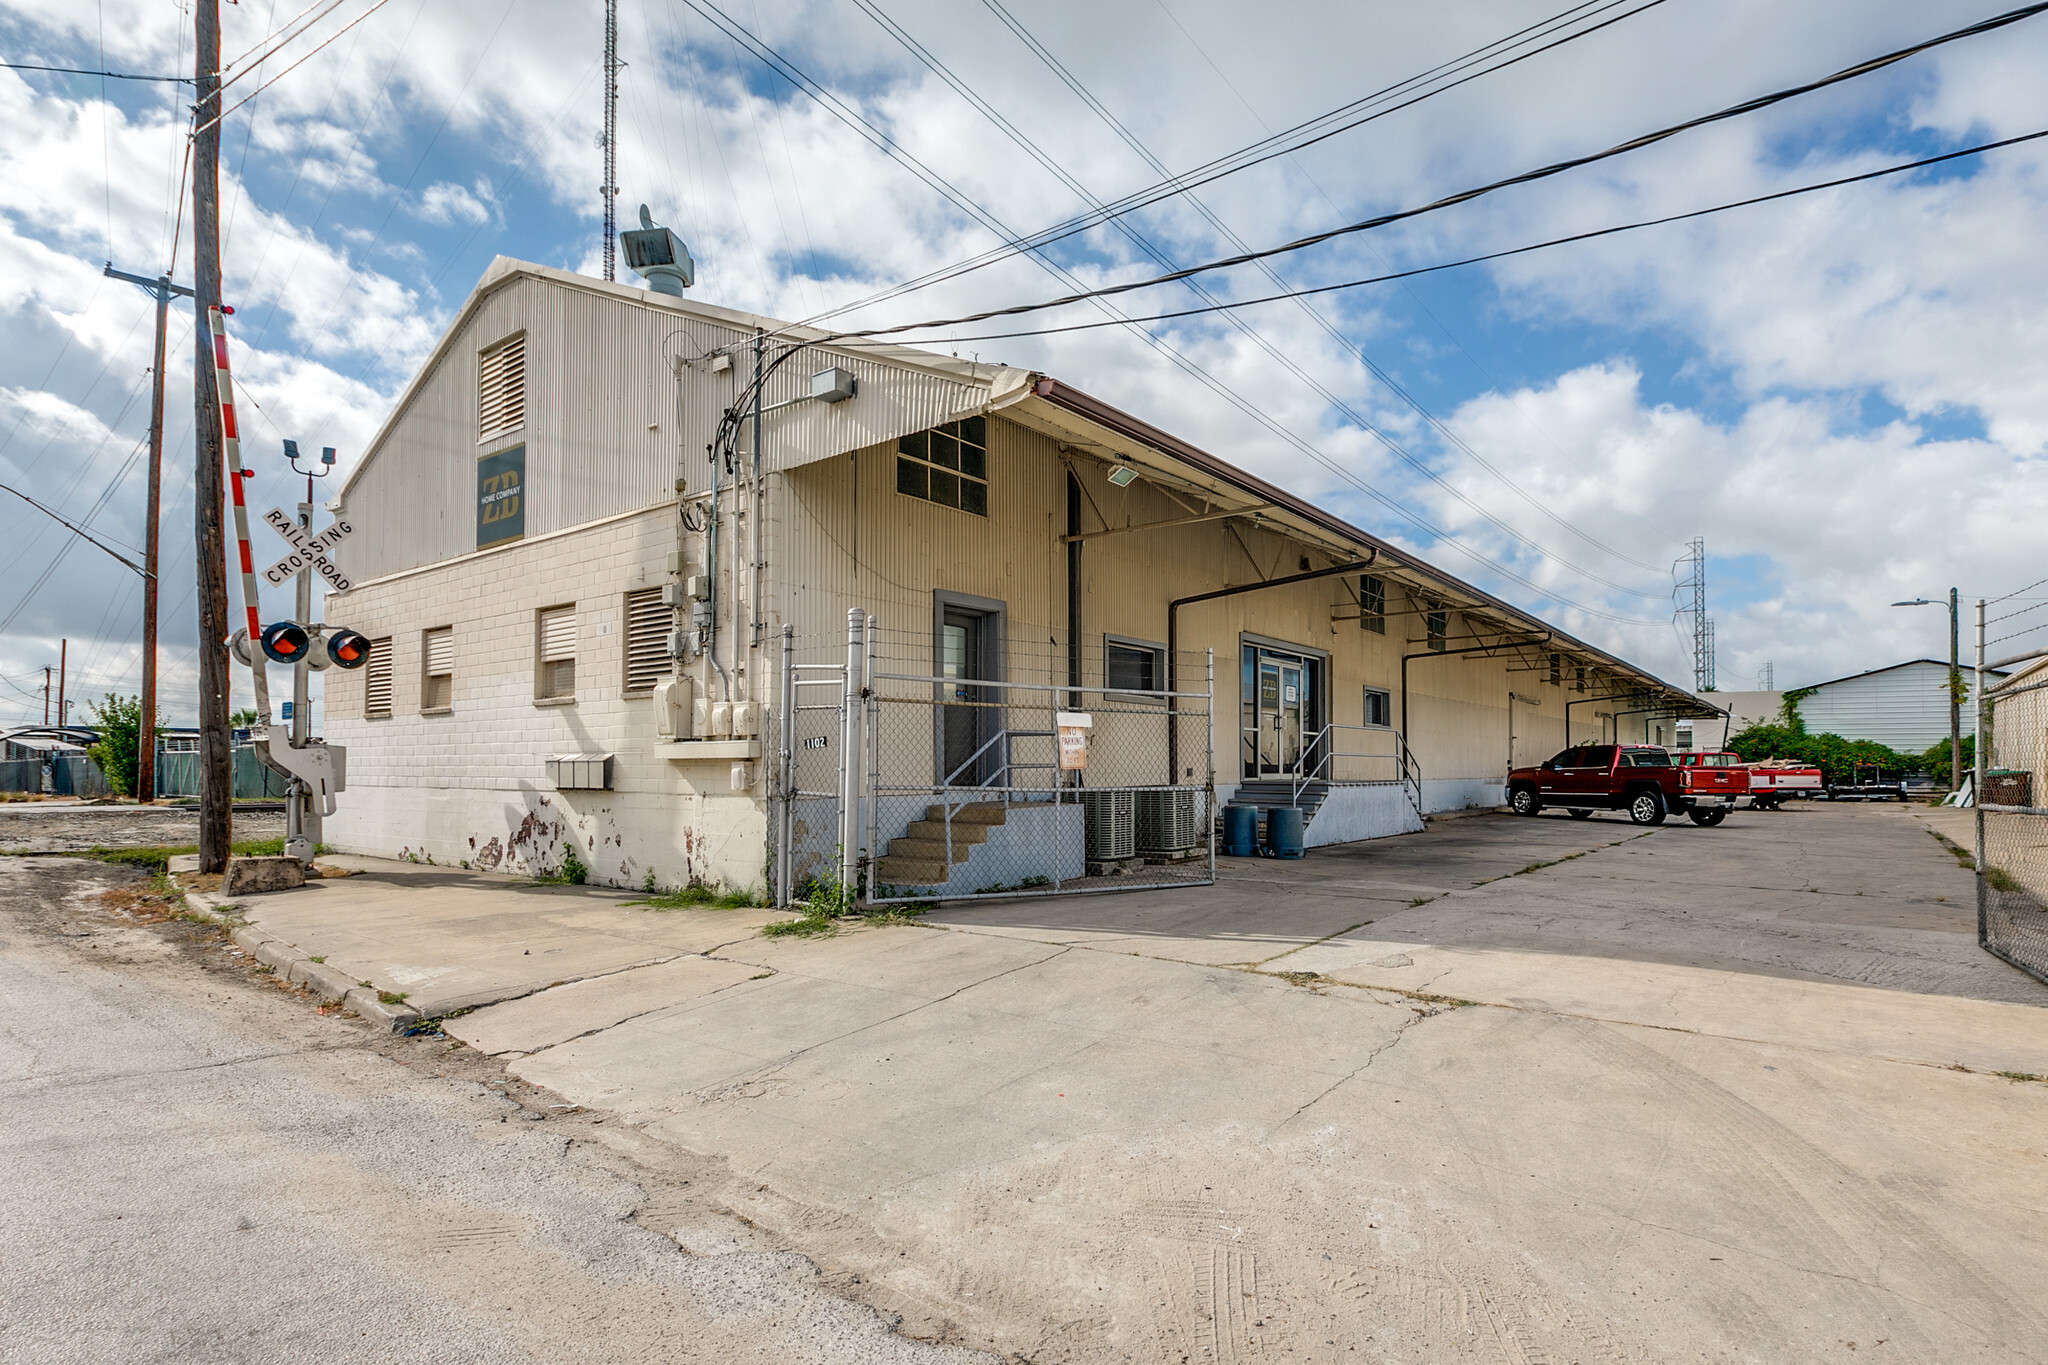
195, 1165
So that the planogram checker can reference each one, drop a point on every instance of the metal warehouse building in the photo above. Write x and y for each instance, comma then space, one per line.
951, 626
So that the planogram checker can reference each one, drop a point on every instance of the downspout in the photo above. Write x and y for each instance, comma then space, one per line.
1074, 592
754, 529
1173, 642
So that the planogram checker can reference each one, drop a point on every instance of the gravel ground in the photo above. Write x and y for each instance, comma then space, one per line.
62, 827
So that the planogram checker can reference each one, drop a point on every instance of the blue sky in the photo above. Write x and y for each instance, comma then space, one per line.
1841, 392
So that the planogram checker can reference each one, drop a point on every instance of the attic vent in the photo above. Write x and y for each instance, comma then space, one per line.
501, 389
377, 686
647, 624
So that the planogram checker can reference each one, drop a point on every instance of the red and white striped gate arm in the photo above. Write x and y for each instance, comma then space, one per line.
231, 443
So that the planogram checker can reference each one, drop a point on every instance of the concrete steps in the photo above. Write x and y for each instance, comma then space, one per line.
918, 857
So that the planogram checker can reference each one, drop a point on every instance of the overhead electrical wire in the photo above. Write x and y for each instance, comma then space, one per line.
1336, 335
1466, 196
855, 120
1899, 169
1278, 144
317, 49
103, 75
1273, 352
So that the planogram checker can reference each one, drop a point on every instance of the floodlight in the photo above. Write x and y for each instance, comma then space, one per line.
659, 256
1123, 476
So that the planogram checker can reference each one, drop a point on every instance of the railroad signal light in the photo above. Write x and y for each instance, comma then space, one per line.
285, 641
347, 648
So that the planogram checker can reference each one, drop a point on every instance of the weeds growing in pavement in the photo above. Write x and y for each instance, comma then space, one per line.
696, 896
2000, 879
157, 857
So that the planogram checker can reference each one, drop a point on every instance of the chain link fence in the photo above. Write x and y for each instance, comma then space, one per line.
2012, 823
961, 760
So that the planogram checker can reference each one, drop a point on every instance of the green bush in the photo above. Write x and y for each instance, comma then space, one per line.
119, 721
1837, 758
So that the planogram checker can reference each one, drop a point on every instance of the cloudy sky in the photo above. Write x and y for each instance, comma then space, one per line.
1842, 393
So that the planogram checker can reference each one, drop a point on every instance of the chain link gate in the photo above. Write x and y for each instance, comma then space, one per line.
812, 777
2011, 793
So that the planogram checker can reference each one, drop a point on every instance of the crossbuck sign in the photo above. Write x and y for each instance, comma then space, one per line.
309, 551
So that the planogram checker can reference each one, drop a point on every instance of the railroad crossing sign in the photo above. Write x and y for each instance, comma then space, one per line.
309, 550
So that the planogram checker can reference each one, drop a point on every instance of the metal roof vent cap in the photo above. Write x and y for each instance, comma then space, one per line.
659, 256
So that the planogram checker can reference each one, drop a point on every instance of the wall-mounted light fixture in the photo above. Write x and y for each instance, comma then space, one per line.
1123, 475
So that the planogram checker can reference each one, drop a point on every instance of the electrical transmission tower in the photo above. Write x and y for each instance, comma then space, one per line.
610, 138
1702, 627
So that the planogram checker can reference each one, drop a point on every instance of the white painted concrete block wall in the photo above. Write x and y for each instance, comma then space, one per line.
470, 785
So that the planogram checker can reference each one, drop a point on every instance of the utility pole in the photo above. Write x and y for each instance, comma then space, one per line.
216, 760
610, 189
63, 658
161, 289
46, 694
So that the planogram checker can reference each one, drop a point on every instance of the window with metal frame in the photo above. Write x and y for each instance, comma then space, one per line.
1133, 666
501, 389
1556, 670
1436, 621
647, 627
1379, 707
554, 674
437, 669
377, 680
946, 465
1372, 603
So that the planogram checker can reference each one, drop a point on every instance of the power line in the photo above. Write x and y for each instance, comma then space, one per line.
1275, 145
1898, 169
104, 75
1330, 330
1526, 177
855, 120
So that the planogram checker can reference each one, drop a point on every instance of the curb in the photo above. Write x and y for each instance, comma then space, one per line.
327, 982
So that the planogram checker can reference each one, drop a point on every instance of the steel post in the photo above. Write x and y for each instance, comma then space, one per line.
849, 739
785, 775
1977, 780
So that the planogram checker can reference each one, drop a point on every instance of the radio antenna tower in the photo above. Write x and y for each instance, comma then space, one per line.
1702, 628
610, 139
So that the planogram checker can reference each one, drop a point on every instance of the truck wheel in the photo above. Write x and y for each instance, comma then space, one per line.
1522, 801
1646, 807
1707, 818
1581, 814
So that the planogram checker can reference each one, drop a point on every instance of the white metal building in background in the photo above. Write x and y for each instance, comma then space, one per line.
578, 622
1903, 706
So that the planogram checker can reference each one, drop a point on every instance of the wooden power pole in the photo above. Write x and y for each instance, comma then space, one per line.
216, 759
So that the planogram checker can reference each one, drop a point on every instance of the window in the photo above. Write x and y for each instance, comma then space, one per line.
1580, 684
1556, 669
947, 464
437, 669
554, 677
1437, 622
1372, 603
377, 680
1133, 666
1648, 758
501, 389
647, 625
1379, 707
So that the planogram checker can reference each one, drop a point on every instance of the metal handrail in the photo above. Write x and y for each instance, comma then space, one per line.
1407, 771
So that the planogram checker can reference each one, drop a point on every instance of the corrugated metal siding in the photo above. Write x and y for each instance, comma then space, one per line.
1905, 708
603, 432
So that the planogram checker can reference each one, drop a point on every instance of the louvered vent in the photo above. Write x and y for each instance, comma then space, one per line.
557, 663
437, 688
377, 679
647, 623
501, 389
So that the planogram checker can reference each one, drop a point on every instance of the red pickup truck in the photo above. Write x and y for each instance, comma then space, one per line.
1638, 778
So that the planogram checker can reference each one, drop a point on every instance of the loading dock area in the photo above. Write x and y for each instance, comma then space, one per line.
1597, 1091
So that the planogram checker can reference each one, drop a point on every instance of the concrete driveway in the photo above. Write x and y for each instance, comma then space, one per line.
1507, 1090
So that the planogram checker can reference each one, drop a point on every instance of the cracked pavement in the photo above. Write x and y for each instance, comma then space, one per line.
1720, 1094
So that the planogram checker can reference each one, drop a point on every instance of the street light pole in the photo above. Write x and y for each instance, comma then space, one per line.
1955, 678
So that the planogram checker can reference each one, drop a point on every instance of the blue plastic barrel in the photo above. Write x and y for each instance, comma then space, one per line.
1283, 832
1240, 831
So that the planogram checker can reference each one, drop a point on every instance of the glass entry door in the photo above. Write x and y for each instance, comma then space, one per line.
1280, 710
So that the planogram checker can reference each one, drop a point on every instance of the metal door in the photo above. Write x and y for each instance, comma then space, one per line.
1281, 699
964, 718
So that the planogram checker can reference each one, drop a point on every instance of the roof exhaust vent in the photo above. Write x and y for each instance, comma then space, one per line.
659, 256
